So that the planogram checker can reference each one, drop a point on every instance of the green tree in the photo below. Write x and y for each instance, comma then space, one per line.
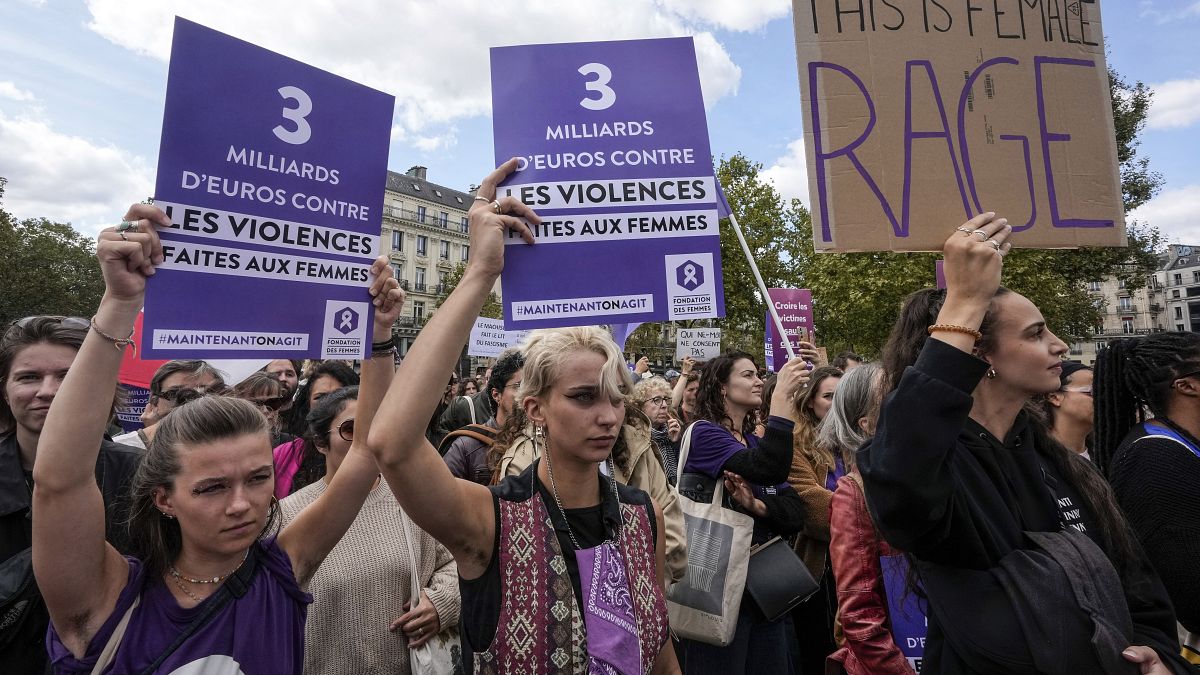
49, 268
492, 308
775, 233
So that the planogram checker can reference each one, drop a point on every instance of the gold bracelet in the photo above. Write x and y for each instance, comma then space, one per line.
951, 328
119, 343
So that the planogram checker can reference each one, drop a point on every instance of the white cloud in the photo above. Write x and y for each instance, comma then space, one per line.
1176, 104
789, 173
10, 91
1149, 9
743, 15
437, 68
67, 178
435, 142
1174, 213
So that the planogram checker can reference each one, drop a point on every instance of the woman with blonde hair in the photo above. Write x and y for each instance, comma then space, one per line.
212, 583
814, 474
653, 398
561, 568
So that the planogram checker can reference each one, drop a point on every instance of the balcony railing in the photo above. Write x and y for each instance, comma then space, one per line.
431, 219
419, 287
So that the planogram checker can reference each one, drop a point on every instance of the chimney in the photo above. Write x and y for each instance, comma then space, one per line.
416, 172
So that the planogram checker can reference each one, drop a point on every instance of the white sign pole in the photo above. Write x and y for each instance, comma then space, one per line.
762, 287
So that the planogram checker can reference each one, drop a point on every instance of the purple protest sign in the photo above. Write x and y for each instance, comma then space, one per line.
794, 306
908, 620
273, 174
939, 271
129, 415
614, 155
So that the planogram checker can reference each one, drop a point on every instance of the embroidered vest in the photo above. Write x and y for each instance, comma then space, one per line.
541, 627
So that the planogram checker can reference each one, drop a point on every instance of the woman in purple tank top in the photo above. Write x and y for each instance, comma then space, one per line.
212, 590
564, 564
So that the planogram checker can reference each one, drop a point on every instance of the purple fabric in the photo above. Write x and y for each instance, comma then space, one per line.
272, 612
287, 458
612, 638
712, 446
839, 470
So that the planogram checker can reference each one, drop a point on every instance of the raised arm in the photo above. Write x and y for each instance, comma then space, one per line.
907, 466
770, 462
458, 513
318, 528
79, 574
682, 382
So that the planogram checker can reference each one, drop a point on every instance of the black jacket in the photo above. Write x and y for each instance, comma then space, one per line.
1157, 481
960, 500
22, 638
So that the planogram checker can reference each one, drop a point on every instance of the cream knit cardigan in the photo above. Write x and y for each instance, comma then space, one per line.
362, 586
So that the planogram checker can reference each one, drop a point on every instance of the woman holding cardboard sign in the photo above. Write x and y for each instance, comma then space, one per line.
1012, 534
530, 549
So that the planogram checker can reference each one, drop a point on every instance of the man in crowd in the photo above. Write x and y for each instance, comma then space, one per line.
467, 454
287, 371
35, 354
173, 384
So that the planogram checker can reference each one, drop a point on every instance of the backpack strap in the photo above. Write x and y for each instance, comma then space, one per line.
483, 434
1157, 430
233, 588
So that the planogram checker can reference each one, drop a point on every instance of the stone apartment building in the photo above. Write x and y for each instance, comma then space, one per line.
1170, 300
425, 235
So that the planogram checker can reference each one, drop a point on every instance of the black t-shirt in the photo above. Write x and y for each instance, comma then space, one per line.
592, 526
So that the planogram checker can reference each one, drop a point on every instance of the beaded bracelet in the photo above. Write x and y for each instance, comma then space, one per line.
386, 344
951, 328
119, 343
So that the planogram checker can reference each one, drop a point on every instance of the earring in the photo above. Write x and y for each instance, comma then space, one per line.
991, 373
167, 515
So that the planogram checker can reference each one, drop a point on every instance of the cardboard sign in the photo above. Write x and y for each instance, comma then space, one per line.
907, 617
272, 172
921, 115
795, 309
488, 338
613, 146
701, 344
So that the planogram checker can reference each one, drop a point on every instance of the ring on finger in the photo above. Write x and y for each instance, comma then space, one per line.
496, 206
127, 226
965, 230
983, 236
123, 237
995, 244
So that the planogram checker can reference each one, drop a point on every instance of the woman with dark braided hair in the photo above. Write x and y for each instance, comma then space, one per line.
1017, 542
1154, 464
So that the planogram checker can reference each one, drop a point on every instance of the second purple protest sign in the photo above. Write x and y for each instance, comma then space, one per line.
273, 173
614, 155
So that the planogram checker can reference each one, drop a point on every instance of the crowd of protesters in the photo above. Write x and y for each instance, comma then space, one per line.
1010, 511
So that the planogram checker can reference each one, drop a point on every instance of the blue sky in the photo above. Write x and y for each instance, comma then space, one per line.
82, 84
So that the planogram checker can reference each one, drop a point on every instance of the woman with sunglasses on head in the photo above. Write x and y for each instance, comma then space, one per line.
35, 354
362, 619
269, 394
1068, 410
213, 588
1018, 544
1154, 463
530, 548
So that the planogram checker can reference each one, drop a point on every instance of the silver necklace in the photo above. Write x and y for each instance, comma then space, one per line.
215, 580
612, 476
